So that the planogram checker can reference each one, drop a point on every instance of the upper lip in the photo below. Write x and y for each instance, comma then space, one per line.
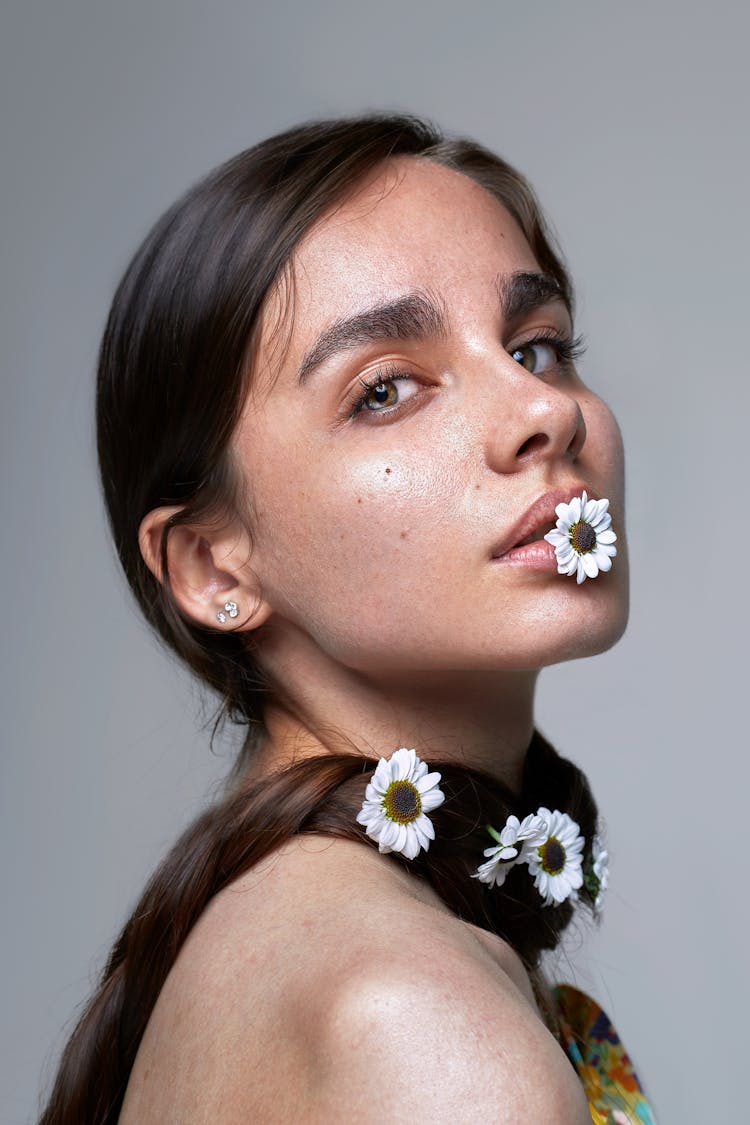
540, 517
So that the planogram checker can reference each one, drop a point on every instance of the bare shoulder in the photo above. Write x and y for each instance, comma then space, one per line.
327, 985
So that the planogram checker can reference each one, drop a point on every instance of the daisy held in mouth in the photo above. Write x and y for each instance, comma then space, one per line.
583, 538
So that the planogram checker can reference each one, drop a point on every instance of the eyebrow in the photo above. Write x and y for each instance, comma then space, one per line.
420, 316
523, 293
415, 316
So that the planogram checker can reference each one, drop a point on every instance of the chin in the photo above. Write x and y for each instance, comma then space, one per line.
598, 628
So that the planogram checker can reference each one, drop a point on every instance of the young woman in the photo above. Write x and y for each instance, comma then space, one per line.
338, 413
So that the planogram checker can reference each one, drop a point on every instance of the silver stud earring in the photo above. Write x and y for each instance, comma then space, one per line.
230, 608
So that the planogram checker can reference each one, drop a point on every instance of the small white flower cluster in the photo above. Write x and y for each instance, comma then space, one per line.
551, 845
583, 538
596, 879
514, 845
402, 792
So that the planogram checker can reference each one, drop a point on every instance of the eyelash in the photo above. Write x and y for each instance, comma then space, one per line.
379, 377
568, 348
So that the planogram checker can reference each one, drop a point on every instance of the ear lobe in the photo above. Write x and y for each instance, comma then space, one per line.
209, 572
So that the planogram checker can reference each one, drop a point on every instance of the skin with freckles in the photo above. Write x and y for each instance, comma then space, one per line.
376, 512
382, 578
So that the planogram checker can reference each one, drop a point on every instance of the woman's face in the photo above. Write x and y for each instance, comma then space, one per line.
401, 427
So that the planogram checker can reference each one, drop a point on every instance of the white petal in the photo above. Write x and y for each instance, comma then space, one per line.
542, 882
407, 763
588, 510
589, 565
410, 846
399, 764
510, 831
426, 826
606, 537
575, 508
427, 782
604, 562
389, 832
533, 829
556, 538
608, 549
484, 874
420, 769
493, 875
581, 575
432, 800
381, 779
601, 516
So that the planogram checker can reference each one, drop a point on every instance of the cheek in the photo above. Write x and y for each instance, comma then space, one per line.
603, 449
338, 532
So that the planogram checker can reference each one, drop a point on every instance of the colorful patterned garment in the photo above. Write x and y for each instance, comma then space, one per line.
593, 1046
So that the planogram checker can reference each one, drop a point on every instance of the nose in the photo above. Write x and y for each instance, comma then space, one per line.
534, 421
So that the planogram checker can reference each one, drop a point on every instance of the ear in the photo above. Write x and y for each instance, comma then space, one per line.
209, 571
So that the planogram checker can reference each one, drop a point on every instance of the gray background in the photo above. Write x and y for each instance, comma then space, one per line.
631, 120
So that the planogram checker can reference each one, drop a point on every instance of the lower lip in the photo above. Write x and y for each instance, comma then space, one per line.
539, 555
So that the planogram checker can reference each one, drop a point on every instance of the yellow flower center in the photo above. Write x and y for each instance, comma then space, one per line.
552, 856
402, 802
582, 537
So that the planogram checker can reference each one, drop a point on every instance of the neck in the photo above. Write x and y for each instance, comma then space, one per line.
481, 720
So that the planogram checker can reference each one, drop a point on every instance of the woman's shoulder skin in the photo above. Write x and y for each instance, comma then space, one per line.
328, 985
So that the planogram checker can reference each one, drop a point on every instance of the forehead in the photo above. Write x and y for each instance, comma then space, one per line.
412, 224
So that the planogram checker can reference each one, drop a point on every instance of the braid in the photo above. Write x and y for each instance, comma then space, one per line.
321, 796
474, 800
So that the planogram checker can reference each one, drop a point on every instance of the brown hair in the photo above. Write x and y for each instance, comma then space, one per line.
174, 367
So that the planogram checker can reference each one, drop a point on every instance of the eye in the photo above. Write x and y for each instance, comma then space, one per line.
384, 393
537, 355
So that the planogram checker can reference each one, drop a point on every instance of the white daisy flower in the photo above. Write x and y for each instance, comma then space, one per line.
396, 802
583, 538
556, 863
513, 845
596, 876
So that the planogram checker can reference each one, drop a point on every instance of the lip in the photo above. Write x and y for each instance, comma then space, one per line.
540, 517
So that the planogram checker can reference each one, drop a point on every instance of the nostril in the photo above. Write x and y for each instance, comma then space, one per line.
532, 445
